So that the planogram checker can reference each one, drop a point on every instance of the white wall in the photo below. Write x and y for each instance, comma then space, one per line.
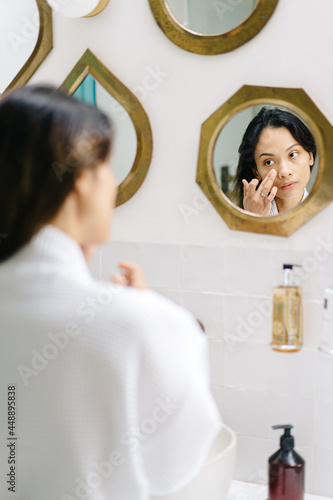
226, 277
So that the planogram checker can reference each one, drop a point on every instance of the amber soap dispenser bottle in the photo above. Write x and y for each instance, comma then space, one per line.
287, 314
286, 470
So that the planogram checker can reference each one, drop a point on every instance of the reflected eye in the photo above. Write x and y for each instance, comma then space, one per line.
268, 163
293, 154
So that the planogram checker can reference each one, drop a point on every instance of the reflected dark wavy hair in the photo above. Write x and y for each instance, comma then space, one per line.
46, 139
273, 118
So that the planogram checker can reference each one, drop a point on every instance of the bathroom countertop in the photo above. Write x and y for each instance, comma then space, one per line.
241, 490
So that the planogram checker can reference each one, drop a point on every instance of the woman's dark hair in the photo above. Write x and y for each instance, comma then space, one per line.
273, 118
46, 139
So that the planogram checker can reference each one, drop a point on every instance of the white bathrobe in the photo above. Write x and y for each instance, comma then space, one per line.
274, 209
110, 384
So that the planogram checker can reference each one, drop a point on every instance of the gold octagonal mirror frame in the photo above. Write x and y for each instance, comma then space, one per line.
297, 101
89, 64
211, 44
42, 49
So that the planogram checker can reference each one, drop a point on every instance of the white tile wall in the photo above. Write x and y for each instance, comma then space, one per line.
292, 373
252, 456
209, 309
203, 269
162, 265
243, 271
324, 376
216, 348
247, 319
324, 424
246, 366
238, 404
323, 459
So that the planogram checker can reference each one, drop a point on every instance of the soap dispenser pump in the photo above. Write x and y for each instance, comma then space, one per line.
286, 469
287, 314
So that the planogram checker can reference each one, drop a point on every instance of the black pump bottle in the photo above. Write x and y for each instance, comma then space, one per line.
286, 470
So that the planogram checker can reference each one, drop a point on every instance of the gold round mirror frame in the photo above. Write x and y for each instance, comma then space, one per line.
211, 44
89, 64
297, 101
42, 49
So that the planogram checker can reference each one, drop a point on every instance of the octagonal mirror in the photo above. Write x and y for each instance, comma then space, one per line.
91, 82
25, 40
264, 160
209, 26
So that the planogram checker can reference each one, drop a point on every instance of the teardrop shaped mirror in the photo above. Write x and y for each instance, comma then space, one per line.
91, 82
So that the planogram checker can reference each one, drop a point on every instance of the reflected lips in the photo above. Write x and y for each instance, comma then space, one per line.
288, 186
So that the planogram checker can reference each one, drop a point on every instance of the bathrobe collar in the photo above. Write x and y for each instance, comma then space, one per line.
57, 248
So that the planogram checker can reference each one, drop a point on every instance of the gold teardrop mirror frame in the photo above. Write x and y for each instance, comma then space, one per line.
89, 64
211, 44
297, 101
42, 48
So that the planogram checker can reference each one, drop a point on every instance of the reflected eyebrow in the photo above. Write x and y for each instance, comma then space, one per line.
290, 147
272, 154
266, 154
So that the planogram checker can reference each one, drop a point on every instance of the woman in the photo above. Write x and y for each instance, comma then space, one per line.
105, 387
276, 156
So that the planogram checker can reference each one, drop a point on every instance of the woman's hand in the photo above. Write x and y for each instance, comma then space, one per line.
259, 201
132, 275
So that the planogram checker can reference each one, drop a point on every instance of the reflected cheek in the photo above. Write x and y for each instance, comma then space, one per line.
263, 174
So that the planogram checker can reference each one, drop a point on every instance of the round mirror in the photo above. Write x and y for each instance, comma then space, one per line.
124, 146
211, 17
281, 141
211, 26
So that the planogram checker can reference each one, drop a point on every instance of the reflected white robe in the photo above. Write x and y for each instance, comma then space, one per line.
274, 210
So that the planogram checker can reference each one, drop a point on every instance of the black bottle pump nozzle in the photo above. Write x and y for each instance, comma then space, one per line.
286, 470
287, 441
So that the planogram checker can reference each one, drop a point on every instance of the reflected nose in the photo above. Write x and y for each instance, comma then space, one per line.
283, 170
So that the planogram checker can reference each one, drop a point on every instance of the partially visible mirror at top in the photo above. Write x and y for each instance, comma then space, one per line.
211, 17
25, 40
124, 145
283, 142
211, 27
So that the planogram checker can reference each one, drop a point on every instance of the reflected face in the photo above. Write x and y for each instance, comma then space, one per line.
277, 149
